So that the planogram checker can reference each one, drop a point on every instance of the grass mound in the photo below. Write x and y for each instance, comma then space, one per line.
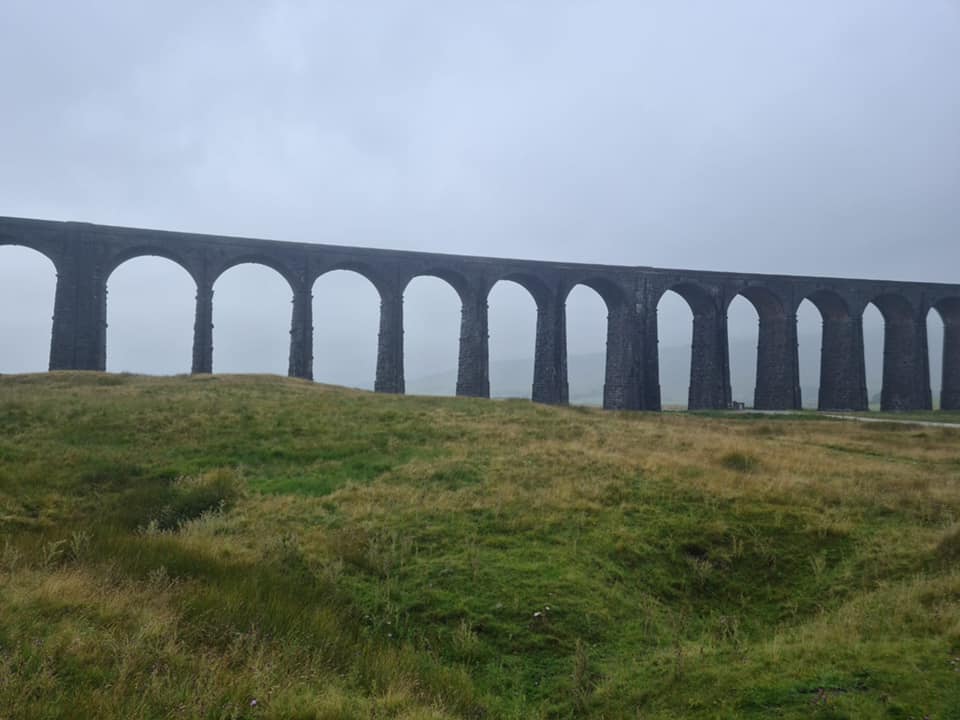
255, 547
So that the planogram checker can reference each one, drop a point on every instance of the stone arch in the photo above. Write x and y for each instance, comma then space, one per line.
809, 348
671, 339
511, 370
455, 280
41, 248
612, 294
585, 305
346, 351
777, 370
431, 331
906, 369
935, 329
144, 251
709, 377
949, 311
156, 339
873, 330
252, 332
831, 304
619, 368
364, 270
893, 307
256, 259
743, 321
550, 363
764, 300
841, 374
30, 288
698, 298
538, 288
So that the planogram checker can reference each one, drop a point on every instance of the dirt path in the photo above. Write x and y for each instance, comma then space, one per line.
861, 418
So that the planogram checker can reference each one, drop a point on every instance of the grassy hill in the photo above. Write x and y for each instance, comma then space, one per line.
257, 547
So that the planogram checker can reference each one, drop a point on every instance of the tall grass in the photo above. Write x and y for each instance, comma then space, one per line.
245, 547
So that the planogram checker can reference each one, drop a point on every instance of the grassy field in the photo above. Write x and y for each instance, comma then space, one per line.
257, 547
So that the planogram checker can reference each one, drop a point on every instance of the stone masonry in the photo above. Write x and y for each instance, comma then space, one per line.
85, 255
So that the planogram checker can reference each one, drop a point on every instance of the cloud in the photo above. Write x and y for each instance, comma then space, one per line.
814, 138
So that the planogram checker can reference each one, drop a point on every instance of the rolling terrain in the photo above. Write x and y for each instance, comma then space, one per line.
259, 547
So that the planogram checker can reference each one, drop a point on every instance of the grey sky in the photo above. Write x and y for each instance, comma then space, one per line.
811, 137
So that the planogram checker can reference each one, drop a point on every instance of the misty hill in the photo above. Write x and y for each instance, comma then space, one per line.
513, 378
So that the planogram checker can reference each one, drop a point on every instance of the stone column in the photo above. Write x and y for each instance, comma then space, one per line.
79, 336
709, 363
473, 375
621, 389
390, 343
550, 356
62, 339
301, 334
950, 392
203, 329
650, 392
906, 365
778, 364
843, 379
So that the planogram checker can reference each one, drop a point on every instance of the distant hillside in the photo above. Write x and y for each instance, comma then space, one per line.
513, 378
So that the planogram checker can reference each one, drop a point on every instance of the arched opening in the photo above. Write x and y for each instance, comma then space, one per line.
809, 349
251, 319
150, 313
586, 345
512, 323
873, 330
743, 332
346, 322
675, 343
773, 362
431, 336
935, 333
830, 353
28, 285
906, 374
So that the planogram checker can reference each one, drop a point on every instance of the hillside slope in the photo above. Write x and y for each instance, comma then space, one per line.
257, 547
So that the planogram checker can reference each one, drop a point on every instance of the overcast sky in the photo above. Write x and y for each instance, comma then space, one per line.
813, 137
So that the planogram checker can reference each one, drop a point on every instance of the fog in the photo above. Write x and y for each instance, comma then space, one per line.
811, 137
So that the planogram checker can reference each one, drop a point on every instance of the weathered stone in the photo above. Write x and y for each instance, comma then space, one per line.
550, 355
85, 255
390, 344
203, 330
473, 373
301, 334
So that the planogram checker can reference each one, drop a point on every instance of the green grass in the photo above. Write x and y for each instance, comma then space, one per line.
183, 547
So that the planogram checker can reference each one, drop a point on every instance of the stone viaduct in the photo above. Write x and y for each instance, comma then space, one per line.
85, 255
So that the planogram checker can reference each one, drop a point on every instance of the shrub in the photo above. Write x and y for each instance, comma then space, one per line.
739, 461
949, 546
191, 497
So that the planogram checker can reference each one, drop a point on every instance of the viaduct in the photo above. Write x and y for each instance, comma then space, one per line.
85, 255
